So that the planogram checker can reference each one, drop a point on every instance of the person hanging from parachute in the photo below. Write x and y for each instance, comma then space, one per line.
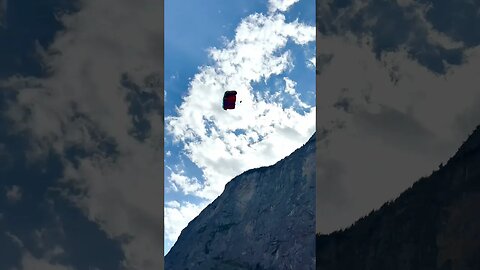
229, 99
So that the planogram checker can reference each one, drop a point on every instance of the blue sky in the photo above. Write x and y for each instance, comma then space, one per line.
263, 49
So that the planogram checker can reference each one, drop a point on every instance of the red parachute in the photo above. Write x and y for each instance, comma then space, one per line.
229, 99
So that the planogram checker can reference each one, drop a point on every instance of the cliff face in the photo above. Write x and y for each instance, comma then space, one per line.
435, 224
265, 219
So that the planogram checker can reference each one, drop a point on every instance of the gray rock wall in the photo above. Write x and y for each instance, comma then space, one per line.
265, 219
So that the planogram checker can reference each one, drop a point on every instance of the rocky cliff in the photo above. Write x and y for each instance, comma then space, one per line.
435, 224
264, 219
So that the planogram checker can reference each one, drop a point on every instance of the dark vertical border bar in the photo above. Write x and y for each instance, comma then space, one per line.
317, 125
317, 101
162, 143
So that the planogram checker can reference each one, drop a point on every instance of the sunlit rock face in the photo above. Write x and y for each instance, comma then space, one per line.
265, 219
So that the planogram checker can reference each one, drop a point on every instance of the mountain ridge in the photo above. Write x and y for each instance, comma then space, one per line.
251, 225
418, 228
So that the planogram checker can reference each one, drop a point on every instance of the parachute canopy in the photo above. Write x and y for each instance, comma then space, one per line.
229, 99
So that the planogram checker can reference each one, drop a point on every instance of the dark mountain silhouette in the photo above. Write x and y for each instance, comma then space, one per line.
435, 224
264, 219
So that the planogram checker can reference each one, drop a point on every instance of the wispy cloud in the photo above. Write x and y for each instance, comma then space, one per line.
183, 183
280, 5
290, 89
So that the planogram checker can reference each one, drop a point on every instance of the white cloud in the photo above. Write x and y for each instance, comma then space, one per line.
177, 217
183, 183
289, 86
281, 5
290, 89
312, 62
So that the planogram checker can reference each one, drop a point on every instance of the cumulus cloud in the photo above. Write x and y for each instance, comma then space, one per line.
108, 57
183, 183
389, 123
280, 5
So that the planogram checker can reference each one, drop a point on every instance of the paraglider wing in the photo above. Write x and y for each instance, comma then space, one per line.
229, 99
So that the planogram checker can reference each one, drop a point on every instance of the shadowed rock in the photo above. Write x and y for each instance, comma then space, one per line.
432, 225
